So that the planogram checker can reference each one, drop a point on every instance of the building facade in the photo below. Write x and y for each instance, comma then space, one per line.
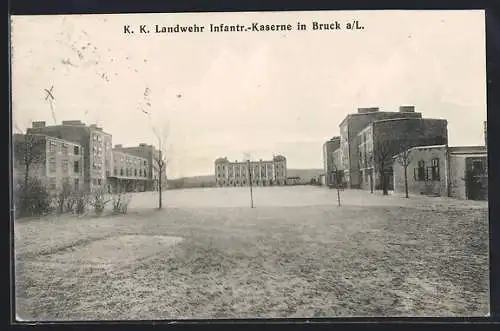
257, 173
130, 172
379, 141
151, 154
96, 144
351, 126
457, 172
329, 148
55, 162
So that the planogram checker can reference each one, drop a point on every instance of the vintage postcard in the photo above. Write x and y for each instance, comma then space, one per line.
250, 165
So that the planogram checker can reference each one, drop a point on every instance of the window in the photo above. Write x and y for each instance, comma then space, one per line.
76, 167
428, 173
99, 181
52, 183
135, 172
115, 171
64, 166
52, 146
76, 150
435, 169
419, 173
477, 167
121, 172
52, 164
76, 184
64, 149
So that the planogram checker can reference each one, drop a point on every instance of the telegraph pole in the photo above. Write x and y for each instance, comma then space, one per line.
250, 182
160, 173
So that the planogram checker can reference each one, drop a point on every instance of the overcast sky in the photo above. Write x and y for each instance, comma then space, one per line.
263, 93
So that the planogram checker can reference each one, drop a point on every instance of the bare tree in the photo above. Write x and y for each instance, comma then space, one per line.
249, 168
382, 159
29, 152
160, 157
404, 158
337, 180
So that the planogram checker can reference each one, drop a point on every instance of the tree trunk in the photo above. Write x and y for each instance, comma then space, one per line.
338, 195
159, 191
371, 180
26, 178
383, 182
406, 181
23, 206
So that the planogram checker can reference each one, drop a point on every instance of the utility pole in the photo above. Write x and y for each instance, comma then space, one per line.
160, 172
250, 182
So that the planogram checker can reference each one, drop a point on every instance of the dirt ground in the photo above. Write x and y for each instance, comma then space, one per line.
373, 256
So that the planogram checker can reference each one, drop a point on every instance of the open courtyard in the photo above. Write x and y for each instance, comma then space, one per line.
297, 254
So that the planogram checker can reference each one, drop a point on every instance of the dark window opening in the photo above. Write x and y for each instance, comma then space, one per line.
435, 169
420, 173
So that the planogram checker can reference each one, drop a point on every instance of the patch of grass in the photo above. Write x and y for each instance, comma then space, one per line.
320, 261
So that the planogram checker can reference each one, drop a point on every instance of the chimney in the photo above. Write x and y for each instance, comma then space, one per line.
406, 109
38, 124
367, 110
74, 122
143, 145
119, 146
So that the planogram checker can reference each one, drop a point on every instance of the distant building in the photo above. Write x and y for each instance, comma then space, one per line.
53, 161
95, 143
151, 154
349, 130
293, 180
458, 172
329, 148
130, 172
260, 173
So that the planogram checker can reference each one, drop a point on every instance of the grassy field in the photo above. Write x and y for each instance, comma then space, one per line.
296, 255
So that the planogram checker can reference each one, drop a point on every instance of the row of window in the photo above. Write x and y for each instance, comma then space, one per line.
270, 174
237, 182
256, 167
53, 183
127, 160
130, 172
64, 165
423, 173
53, 148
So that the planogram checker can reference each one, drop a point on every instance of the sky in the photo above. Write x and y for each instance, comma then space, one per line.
241, 94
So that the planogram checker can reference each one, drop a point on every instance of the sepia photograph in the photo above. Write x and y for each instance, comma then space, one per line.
249, 165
